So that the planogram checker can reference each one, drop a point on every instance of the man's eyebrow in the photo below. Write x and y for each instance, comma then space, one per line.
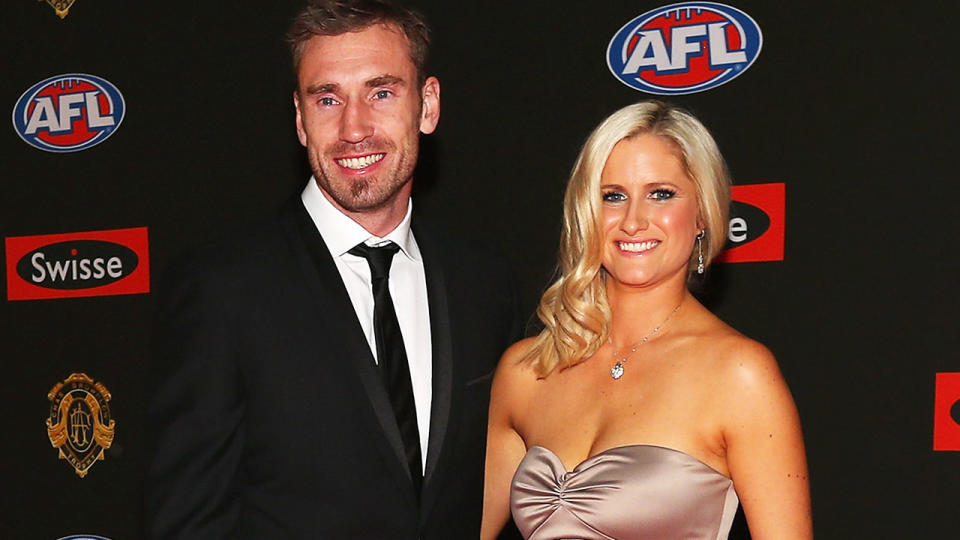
322, 88
384, 80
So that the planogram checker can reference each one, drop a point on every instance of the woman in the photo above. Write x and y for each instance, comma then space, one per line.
637, 413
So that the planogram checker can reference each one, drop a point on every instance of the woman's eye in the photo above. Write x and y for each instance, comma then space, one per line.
614, 196
662, 194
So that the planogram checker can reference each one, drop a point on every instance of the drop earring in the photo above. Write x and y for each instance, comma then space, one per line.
700, 252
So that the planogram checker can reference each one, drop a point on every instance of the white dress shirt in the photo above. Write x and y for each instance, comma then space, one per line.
408, 289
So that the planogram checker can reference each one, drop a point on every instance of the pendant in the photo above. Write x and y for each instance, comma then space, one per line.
617, 370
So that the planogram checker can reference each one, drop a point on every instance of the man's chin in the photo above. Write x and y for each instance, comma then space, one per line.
365, 194
361, 206
361, 202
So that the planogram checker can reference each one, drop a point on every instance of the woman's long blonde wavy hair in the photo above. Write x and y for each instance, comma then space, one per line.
574, 309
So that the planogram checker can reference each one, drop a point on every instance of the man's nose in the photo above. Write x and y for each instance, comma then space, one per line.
355, 123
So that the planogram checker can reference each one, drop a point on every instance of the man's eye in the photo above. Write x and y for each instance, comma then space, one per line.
328, 101
382, 94
662, 194
614, 196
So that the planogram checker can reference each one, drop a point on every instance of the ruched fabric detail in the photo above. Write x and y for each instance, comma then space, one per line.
624, 493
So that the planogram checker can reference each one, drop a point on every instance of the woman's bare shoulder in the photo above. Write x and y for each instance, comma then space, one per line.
514, 367
513, 383
744, 373
728, 349
734, 361
744, 360
515, 353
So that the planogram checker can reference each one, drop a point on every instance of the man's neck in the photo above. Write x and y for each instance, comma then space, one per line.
382, 220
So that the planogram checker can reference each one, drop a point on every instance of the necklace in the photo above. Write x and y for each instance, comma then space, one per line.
617, 370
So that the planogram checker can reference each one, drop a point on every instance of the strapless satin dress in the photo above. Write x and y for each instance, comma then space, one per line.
624, 493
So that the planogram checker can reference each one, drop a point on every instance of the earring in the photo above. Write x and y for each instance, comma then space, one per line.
700, 252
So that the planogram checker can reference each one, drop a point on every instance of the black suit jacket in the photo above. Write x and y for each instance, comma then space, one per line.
269, 419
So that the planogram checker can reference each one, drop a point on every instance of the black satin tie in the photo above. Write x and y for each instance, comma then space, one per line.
391, 354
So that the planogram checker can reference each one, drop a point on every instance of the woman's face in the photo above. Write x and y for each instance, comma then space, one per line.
649, 212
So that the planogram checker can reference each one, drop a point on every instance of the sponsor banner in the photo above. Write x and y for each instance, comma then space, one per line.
946, 412
757, 223
684, 48
95, 263
79, 425
68, 113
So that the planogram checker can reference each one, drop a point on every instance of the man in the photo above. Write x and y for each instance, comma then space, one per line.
315, 387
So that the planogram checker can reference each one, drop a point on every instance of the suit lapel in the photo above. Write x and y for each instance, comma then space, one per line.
441, 333
336, 311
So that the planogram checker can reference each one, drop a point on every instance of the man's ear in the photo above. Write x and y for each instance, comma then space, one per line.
301, 134
430, 105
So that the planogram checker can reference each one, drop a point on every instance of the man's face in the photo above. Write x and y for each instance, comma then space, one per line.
360, 113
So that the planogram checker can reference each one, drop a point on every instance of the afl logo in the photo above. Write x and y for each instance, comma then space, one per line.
684, 48
68, 113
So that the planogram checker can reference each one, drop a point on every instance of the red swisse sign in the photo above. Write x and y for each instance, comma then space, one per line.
95, 263
946, 412
757, 223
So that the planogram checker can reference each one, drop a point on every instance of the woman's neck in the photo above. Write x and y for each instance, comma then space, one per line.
635, 311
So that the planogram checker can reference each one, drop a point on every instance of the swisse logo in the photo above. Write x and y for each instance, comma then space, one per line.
97, 263
68, 113
946, 412
747, 223
757, 223
77, 264
684, 48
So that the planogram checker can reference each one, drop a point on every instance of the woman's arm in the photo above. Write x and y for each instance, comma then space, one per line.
764, 446
505, 447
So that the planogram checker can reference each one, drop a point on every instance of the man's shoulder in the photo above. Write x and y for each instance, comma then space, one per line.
471, 268
438, 243
250, 249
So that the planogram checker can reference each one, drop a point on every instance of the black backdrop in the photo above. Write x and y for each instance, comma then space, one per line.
852, 106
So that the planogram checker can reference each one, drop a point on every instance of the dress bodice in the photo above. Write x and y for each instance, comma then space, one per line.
624, 493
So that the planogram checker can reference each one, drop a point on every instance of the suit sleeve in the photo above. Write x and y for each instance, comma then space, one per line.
195, 418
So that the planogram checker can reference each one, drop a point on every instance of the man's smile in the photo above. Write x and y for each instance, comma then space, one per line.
362, 162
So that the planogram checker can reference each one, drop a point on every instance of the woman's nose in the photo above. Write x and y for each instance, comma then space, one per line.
634, 220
